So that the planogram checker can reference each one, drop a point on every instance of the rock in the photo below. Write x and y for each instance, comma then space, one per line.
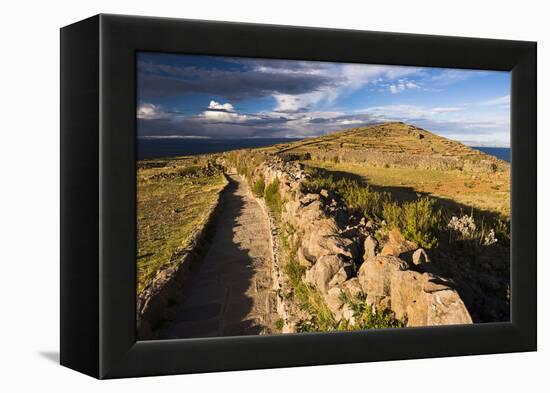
375, 275
370, 225
369, 246
434, 283
323, 271
324, 193
317, 245
352, 288
341, 275
333, 299
307, 199
419, 257
425, 300
397, 244
348, 314
303, 259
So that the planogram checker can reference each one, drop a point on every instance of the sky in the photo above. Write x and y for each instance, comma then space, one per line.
193, 96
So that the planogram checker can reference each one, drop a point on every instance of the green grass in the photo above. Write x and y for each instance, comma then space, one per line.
356, 196
418, 220
273, 198
258, 187
365, 317
171, 207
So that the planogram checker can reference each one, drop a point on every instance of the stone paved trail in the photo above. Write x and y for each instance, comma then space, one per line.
231, 290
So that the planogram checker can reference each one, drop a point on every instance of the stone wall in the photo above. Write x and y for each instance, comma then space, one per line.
341, 256
373, 157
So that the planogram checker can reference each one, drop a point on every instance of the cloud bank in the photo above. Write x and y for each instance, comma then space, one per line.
201, 96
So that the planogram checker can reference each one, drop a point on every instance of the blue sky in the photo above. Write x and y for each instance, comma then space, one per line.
189, 96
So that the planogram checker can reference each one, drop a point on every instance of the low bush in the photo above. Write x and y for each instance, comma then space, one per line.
360, 198
417, 220
273, 198
258, 188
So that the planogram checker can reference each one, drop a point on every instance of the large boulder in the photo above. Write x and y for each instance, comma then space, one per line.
316, 244
323, 271
375, 274
415, 298
426, 300
397, 244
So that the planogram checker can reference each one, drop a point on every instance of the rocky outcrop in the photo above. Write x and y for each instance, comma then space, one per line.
418, 299
341, 258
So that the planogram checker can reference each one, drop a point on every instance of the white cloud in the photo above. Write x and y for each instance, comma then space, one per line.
503, 101
402, 85
346, 78
148, 111
223, 113
224, 107
406, 112
448, 77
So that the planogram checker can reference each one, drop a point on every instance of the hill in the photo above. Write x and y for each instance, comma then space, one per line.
393, 143
407, 160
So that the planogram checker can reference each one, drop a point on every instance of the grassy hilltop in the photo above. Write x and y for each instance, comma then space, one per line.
407, 160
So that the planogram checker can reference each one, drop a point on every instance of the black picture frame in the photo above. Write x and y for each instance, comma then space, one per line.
98, 156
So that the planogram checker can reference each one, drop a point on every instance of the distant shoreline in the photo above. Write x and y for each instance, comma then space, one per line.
151, 148
502, 153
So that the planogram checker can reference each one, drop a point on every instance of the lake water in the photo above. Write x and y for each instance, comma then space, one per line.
499, 152
173, 147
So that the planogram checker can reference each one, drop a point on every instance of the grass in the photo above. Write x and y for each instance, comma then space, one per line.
365, 317
489, 192
258, 187
273, 198
172, 204
418, 220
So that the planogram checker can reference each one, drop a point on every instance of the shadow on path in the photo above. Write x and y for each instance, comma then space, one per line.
230, 291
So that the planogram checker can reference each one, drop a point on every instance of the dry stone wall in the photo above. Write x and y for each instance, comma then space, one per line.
341, 256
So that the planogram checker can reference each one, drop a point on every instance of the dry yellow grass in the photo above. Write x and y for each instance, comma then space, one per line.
170, 207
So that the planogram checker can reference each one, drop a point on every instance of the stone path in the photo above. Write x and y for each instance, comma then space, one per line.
231, 290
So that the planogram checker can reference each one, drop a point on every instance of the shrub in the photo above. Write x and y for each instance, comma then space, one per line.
273, 197
417, 220
280, 323
258, 188
421, 221
357, 197
465, 229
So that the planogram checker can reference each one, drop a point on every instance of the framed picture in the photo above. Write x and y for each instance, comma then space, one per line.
239, 196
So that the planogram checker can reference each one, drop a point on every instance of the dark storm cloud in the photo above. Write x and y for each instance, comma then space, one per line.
214, 129
158, 80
